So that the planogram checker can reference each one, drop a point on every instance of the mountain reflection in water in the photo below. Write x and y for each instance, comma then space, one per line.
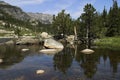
69, 64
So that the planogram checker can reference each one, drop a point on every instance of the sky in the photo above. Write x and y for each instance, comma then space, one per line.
73, 7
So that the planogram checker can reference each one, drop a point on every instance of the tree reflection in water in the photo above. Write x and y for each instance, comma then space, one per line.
10, 55
103, 64
63, 60
87, 63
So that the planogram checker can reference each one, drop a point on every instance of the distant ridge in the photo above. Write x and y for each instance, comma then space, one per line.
19, 14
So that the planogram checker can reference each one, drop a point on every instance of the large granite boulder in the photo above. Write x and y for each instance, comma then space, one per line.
52, 44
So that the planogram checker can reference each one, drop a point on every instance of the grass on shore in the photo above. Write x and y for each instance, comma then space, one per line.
109, 42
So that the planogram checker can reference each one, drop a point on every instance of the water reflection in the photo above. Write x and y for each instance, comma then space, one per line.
70, 61
10, 55
114, 61
88, 63
63, 60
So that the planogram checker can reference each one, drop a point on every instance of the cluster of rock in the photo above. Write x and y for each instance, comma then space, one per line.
52, 45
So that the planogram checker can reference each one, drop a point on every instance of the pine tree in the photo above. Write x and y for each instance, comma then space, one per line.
102, 23
87, 19
113, 20
62, 23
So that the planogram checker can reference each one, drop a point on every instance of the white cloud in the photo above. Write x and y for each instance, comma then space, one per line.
79, 10
64, 4
68, 6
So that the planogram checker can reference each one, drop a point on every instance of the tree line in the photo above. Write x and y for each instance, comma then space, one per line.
96, 24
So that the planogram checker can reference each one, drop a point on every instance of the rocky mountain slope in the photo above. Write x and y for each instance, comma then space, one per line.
44, 18
13, 11
19, 14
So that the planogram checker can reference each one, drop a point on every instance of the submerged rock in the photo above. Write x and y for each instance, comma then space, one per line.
87, 51
50, 51
53, 44
9, 42
40, 71
1, 60
25, 50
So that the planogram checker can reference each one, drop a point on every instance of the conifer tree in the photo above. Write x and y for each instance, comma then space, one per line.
113, 20
87, 19
62, 23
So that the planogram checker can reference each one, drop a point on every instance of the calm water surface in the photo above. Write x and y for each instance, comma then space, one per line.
69, 64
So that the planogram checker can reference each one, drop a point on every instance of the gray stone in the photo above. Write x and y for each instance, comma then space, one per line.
50, 51
87, 51
40, 71
1, 60
43, 18
27, 40
45, 35
25, 50
53, 44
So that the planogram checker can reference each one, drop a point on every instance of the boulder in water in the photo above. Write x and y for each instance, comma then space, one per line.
40, 71
1, 60
87, 51
25, 50
53, 44
50, 51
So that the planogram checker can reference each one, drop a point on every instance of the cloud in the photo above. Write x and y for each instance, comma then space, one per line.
64, 4
73, 7
24, 2
79, 9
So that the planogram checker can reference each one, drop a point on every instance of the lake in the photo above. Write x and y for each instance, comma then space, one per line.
69, 64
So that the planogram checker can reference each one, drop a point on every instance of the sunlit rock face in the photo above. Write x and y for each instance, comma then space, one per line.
43, 18
53, 44
13, 11
19, 14
45, 35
